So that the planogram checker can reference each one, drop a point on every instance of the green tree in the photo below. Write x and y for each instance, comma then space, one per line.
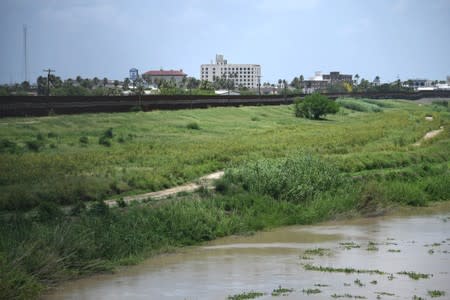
315, 106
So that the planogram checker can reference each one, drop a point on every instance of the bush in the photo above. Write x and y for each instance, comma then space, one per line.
193, 125
315, 106
292, 179
358, 105
105, 141
7, 146
84, 140
108, 133
34, 145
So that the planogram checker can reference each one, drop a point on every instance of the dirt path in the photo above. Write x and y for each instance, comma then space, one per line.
429, 135
205, 181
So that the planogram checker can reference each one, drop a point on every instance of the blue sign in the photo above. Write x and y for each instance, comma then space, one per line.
134, 74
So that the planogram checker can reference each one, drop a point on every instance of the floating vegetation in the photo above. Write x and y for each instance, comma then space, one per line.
436, 293
417, 298
281, 291
321, 285
312, 291
349, 245
372, 246
373, 282
358, 283
249, 295
347, 296
341, 270
391, 276
317, 251
390, 239
384, 294
394, 250
347, 284
414, 275
306, 257
431, 251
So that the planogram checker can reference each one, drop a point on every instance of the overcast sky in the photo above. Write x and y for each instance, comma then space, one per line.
105, 38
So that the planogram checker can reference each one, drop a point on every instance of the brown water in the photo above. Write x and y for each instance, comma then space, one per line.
267, 260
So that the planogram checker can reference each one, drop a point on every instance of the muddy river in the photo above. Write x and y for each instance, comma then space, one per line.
307, 261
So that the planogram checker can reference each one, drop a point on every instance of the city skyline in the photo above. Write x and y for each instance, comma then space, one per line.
408, 39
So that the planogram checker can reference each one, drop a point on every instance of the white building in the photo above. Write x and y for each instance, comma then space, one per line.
245, 75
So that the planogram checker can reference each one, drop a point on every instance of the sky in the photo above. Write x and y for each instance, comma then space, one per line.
105, 38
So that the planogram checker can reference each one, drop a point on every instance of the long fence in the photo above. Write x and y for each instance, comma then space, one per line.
43, 106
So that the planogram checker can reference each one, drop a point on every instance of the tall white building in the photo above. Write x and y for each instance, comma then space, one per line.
246, 75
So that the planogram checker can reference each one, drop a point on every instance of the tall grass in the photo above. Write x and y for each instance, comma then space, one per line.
359, 105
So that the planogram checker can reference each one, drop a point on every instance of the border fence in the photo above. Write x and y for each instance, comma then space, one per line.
47, 105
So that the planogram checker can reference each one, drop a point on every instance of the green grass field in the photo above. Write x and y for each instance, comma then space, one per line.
60, 159
280, 170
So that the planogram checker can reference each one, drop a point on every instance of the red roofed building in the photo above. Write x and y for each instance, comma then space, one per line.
156, 76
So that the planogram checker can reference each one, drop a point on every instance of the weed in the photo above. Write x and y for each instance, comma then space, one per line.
311, 291
436, 293
280, 291
341, 270
249, 295
317, 251
358, 282
349, 245
193, 125
414, 275
385, 294
84, 140
394, 250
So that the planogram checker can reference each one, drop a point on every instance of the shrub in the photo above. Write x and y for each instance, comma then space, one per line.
52, 135
108, 133
193, 125
34, 145
7, 146
315, 106
84, 140
358, 105
292, 179
105, 141
48, 212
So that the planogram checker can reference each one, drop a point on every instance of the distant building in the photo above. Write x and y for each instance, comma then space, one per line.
335, 77
419, 83
245, 75
322, 81
164, 75
315, 83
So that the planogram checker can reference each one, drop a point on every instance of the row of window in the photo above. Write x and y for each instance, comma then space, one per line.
229, 69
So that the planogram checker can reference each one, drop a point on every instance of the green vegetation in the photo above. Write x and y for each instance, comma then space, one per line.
317, 251
349, 296
436, 293
362, 163
280, 291
358, 105
415, 276
311, 291
341, 270
315, 106
249, 295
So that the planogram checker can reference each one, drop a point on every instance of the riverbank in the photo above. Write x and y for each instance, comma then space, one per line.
415, 241
364, 163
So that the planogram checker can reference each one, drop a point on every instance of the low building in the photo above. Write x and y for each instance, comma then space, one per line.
154, 76
336, 77
419, 83
320, 82
245, 75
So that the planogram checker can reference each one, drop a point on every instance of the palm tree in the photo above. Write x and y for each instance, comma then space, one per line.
356, 79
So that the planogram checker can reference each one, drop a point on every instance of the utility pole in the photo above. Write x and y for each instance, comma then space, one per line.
48, 71
25, 52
